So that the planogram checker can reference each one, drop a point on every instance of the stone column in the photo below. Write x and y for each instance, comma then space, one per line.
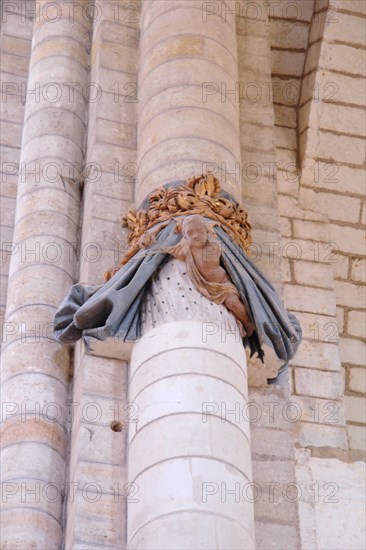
35, 370
188, 469
188, 94
189, 453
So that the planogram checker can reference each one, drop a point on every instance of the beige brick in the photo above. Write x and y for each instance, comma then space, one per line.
12, 107
320, 435
285, 116
104, 207
270, 536
319, 384
317, 274
118, 57
269, 411
118, 185
8, 211
357, 380
355, 408
265, 472
3, 288
311, 63
357, 6
304, 298
260, 112
350, 29
357, 323
352, 351
363, 215
348, 239
109, 381
10, 154
341, 119
109, 157
257, 137
100, 443
285, 271
350, 295
358, 269
301, 10
252, 45
357, 437
287, 63
290, 204
288, 183
342, 88
340, 319
333, 177
120, 34
342, 58
317, 26
285, 227
274, 443
262, 216
338, 148
11, 133
285, 137
127, 16
288, 34
309, 230
286, 160
340, 266
101, 522
318, 328
286, 91
110, 478
304, 113
301, 249
14, 64
18, 26
323, 411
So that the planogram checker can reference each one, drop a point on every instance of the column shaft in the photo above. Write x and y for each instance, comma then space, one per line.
188, 101
35, 370
189, 453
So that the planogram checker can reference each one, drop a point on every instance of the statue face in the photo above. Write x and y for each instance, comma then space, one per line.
195, 231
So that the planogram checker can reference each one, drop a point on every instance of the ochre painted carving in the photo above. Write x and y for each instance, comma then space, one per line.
201, 252
204, 227
199, 195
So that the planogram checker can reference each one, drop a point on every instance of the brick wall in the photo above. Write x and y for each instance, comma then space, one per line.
332, 145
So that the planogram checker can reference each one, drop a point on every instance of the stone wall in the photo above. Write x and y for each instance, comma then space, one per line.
299, 98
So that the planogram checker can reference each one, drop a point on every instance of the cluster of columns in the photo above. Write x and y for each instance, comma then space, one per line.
184, 458
35, 372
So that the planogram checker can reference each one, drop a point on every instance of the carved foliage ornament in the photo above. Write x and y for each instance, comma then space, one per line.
199, 195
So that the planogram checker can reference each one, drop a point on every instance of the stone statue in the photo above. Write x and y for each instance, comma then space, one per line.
197, 223
201, 252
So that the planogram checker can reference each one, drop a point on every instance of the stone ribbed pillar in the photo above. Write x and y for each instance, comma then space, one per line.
188, 95
189, 453
190, 470
35, 370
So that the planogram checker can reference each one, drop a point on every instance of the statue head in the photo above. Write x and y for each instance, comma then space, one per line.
195, 230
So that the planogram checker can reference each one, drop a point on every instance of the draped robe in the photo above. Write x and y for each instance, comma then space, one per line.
114, 308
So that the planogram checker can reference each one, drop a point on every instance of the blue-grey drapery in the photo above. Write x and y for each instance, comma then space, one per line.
114, 308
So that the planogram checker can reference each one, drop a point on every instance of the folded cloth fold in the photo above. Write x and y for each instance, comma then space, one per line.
114, 308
